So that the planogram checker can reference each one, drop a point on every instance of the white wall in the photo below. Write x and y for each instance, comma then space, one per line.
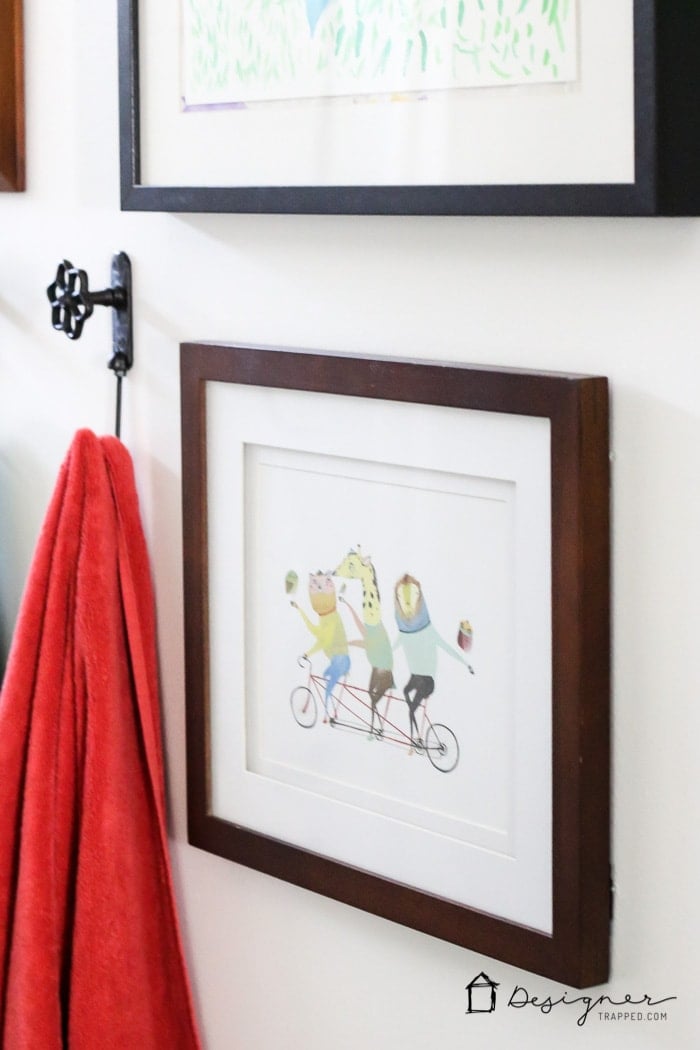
274, 966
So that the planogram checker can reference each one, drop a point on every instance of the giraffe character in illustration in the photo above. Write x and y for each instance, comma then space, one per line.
374, 638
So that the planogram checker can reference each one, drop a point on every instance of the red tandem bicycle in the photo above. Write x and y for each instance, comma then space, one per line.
349, 707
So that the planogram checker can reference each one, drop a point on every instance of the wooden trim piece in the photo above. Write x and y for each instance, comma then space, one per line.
12, 134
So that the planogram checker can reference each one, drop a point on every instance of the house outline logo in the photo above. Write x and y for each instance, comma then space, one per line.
481, 994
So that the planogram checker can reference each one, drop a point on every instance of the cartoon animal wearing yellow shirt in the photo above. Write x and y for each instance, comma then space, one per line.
329, 632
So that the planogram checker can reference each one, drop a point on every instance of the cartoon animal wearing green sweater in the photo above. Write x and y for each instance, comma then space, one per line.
375, 639
329, 632
420, 642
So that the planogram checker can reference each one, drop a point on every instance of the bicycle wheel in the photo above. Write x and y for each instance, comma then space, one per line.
303, 706
441, 747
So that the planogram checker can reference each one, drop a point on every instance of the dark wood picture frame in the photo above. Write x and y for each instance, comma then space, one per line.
12, 146
666, 133
577, 952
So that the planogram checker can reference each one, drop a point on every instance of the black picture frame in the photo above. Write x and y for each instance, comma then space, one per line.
667, 146
576, 408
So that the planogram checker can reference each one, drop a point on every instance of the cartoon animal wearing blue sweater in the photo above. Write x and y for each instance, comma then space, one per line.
420, 642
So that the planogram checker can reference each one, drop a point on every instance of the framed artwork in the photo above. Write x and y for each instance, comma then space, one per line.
397, 641
11, 96
436, 107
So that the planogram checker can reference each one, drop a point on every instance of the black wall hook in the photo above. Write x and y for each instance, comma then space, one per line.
72, 303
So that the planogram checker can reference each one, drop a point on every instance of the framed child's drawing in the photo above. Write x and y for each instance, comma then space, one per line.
397, 641
436, 107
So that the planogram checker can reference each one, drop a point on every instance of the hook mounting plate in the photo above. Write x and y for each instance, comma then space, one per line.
122, 327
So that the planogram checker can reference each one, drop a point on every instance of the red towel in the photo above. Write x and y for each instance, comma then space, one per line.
90, 952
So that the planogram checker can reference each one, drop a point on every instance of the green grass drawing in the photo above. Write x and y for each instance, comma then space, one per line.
244, 49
